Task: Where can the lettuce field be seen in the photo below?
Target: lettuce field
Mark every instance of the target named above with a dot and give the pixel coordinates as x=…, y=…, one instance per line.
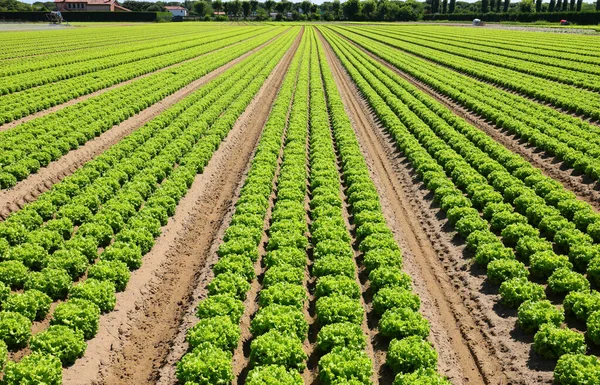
x=280, y=203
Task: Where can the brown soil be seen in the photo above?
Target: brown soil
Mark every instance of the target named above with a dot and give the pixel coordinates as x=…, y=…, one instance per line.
x=449, y=293
x=136, y=337
x=39, y=114
x=28, y=189
x=585, y=188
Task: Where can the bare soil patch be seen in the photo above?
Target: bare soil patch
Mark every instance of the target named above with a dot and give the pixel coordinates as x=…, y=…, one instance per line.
x=470, y=336
x=135, y=339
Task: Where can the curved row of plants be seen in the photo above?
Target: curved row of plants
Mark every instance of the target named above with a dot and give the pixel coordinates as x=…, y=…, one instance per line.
x=557, y=54
x=16, y=105
x=501, y=216
x=410, y=356
x=87, y=57
x=217, y=333
x=555, y=133
x=32, y=145
x=114, y=68
x=574, y=99
x=564, y=71
x=119, y=221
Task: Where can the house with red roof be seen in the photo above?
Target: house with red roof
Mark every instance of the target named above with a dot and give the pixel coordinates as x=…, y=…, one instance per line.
x=89, y=6
x=176, y=10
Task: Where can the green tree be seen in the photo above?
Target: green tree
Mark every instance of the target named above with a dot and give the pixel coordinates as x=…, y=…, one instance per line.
x=217, y=5
x=506, y=5
x=579, y=4
x=201, y=8
x=305, y=5
x=452, y=6
x=526, y=6
x=538, y=5
x=351, y=9
x=269, y=4
x=336, y=8
x=445, y=6
x=236, y=8
x=485, y=6
x=246, y=9
x=369, y=9
x=572, y=6
x=492, y=5
x=253, y=5
x=552, y=5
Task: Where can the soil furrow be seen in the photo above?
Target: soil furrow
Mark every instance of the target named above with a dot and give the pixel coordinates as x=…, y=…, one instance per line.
x=30, y=188
x=39, y=114
x=134, y=339
x=465, y=354
x=585, y=188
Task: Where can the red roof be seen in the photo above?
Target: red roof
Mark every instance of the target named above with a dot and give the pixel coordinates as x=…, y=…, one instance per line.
x=174, y=8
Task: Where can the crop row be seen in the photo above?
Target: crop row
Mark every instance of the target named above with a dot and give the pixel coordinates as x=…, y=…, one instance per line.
x=564, y=71
x=555, y=133
x=120, y=224
x=577, y=100
x=556, y=57
x=36, y=143
x=394, y=305
x=154, y=56
x=29, y=101
x=20, y=65
x=515, y=210
x=217, y=333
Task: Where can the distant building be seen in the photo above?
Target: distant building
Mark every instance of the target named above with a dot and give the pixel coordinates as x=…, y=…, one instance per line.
x=176, y=10
x=89, y=6
x=219, y=14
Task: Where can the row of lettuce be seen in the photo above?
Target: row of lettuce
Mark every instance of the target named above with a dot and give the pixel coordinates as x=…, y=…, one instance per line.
x=523, y=227
x=279, y=329
x=105, y=217
x=557, y=134
x=577, y=100
x=27, y=147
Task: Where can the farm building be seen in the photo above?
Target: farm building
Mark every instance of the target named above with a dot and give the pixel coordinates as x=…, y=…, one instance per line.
x=177, y=10
x=89, y=6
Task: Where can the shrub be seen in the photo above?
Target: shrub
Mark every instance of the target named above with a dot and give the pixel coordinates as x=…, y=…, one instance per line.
x=13, y=273
x=286, y=319
x=36, y=368
x=501, y=270
x=518, y=290
x=276, y=348
x=33, y=304
x=339, y=308
x=230, y=284
x=220, y=331
x=421, y=377
x=533, y=314
x=53, y=282
x=410, y=354
x=492, y=251
x=337, y=284
x=273, y=375
x=112, y=271
x=129, y=253
x=403, y=322
x=551, y=342
x=15, y=329
x=389, y=277
x=341, y=334
x=344, y=365
x=283, y=273
x=72, y=261
x=577, y=369
x=236, y=264
x=221, y=305
x=60, y=341
x=564, y=280
x=78, y=314
x=283, y=294
x=376, y=258
x=544, y=263
x=205, y=365
x=395, y=297
x=102, y=293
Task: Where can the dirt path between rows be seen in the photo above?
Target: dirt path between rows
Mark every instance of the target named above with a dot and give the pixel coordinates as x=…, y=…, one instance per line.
x=135, y=338
x=465, y=355
x=585, y=188
x=82, y=98
x=476, y=338
x=30, y=188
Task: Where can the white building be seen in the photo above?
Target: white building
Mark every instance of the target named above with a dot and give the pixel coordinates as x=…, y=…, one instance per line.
x=176, y=11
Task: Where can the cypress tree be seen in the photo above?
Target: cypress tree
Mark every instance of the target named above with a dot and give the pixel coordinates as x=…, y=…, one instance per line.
x=552, y=5
x=507, y=4
x=452, y=6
